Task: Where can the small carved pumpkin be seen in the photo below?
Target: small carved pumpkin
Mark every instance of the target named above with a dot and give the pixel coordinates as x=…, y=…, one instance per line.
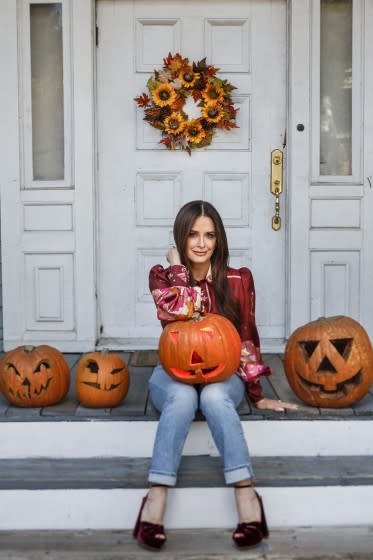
x=205, y=350
x=102, y=379
x=34, y=376
x=329, y=362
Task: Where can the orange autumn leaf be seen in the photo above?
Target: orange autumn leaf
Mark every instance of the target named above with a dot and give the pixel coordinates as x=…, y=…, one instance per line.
x=175, y=63
x=178, y=105
x=142, y=100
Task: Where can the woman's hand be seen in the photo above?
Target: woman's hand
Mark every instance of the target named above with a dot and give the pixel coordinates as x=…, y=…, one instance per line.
x=173, y=256
x=277, y=406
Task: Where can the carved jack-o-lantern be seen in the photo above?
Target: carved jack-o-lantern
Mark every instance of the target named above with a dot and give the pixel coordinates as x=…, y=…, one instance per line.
x=200, y=351
x=329, y=362
x=102, y=379
x=34, y=376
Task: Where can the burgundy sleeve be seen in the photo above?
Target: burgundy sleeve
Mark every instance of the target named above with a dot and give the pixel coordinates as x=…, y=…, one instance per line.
x=252, y=366
x=175, y=300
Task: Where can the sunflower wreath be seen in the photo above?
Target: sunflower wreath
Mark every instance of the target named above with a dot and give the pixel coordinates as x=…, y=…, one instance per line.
x=169, y=89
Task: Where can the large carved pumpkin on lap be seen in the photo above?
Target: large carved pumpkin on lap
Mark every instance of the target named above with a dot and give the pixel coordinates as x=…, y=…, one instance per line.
x=102, y=379
x=203, y=350
x=329, y=362
x=34, y=376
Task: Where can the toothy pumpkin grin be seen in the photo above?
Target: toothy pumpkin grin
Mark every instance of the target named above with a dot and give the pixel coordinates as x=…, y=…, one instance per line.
x=26, y=384
x=337, y=390
x=198, y=371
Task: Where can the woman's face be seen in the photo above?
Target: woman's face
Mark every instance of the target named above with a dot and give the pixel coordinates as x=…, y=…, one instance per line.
x=201, y=241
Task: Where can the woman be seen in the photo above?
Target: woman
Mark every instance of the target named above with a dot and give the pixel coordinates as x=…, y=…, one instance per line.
x=199, y=280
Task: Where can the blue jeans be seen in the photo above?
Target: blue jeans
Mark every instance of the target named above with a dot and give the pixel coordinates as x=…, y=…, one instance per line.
x=178, y=404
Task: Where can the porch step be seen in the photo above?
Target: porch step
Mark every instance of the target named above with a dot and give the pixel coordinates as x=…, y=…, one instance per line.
x=106, y=493
x=326, y=543
x=199, y=471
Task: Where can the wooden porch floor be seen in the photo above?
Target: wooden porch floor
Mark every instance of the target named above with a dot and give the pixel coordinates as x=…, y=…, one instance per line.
x=137, y=406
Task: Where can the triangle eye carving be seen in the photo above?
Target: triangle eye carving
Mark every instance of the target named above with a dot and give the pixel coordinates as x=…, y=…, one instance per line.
x=343, y=346
x=308, y=347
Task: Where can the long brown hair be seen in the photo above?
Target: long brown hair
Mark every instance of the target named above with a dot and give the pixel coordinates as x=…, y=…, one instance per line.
x=183, y=225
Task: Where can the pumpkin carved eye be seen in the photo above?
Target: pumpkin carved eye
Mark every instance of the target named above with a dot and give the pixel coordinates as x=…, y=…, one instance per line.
x=308, y=347
x=43, y=363
x=208, y=331
x=343, y=346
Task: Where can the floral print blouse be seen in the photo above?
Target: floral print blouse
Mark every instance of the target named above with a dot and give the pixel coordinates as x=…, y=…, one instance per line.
x=177, y=300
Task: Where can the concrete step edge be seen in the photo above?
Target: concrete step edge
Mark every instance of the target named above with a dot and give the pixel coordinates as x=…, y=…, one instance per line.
x=135, y=439
x=116, y=509
x=195, y=471
x=191, y=544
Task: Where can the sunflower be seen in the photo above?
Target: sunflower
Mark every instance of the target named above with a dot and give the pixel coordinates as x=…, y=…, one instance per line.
x=194, y=131
x=213, y=112
x=174, y=124
x=188, y=77
x=164, y=95
x=213, y=93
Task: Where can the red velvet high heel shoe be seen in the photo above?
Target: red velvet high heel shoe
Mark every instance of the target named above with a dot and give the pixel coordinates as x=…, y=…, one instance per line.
x=248, y=534
x=149, y=535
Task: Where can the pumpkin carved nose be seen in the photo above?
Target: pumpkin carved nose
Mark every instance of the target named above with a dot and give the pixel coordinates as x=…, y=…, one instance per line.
x=196, y=358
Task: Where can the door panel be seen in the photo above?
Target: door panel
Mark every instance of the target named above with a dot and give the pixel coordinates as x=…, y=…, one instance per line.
x=142, y=185
x=330, y=225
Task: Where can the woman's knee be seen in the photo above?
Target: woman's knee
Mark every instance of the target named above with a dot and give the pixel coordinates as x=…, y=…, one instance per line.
x=215, y=396
x=181, y=402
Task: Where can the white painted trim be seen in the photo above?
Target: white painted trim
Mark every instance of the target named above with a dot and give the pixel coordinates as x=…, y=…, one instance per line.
x=83, y=41
x=26, y=98
x=299, y=146
x=265, y=438
x=10, y=145
x=66, y=341
x=357, y=98
x=187, y=508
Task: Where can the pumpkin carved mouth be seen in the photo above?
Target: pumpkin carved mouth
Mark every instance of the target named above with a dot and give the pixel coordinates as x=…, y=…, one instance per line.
x=198, y=371
x=100, y=388
x=338, y=390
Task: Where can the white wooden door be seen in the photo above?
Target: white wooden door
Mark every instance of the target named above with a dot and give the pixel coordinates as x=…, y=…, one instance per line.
x=141, y=185
x=330, y=221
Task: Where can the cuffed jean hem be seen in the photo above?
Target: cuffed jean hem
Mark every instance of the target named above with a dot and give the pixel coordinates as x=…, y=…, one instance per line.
x=236, y=475
x=158, y=478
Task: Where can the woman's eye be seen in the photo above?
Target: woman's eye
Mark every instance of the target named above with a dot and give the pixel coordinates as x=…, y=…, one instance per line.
x=192, y=234
x=211, y=235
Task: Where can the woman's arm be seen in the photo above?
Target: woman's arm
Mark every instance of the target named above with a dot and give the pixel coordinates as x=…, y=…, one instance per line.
x=252, y=366
x=173, y=296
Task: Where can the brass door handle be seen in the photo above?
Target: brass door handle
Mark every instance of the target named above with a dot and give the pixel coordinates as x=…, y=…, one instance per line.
x=276, y=185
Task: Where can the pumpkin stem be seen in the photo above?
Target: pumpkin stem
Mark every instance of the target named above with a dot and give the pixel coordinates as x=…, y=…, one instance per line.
x=28, y=348
x=196, y=317
x=105, y=351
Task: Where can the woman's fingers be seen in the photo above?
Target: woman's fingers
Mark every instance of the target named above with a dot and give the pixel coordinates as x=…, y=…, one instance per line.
x=277, y=406
x=173, y=256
